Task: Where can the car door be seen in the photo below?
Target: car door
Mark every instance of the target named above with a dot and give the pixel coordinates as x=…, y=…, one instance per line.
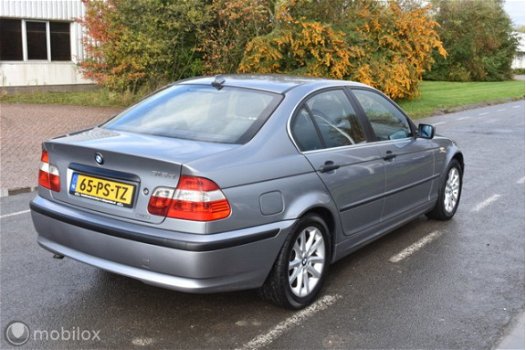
x=328, y=131
x=409, y=161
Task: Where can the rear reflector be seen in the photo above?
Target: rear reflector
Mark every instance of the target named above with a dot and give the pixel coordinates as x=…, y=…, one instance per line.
x=195, y=198
x=48, y=175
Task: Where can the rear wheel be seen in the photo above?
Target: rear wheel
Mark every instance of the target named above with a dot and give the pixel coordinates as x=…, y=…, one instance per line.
x=300, y=269
x=449, y=194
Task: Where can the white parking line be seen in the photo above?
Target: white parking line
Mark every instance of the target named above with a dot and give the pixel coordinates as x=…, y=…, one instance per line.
x=464, y=118
x=516, y=107
x=492, y=120
x=278, y=330
x=501, y=110
x=142, y=341
x=13, y=214
x=486, y=202
x=415, y=247
x=484, y=113
x=438, y=123
x=520, y=181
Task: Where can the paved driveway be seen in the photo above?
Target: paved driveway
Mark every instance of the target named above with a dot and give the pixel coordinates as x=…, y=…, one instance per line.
x=24, y=127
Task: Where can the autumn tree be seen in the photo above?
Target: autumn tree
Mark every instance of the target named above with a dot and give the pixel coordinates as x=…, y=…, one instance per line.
x=233, y=24
x=478, y=36
x=388, y=45
x=142, y=42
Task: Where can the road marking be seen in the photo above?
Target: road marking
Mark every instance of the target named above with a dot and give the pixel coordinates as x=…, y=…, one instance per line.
x=492, y=120
x=415, y=247
x=13, y=214
x=501, y=110
x=515, y=106
x=274, y=333
x=438, y=123
x=486, y=202
x=484, y=113
x=520, y=181
x=464, y=118
x=142, y=341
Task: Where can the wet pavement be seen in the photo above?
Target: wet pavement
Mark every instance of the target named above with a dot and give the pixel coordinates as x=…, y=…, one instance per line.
x=464, y=289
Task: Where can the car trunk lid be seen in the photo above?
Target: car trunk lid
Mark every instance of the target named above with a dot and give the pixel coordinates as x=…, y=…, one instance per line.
x=130, y=166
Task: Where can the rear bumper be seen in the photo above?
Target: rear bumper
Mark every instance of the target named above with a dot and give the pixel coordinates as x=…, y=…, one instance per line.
x=226, y=261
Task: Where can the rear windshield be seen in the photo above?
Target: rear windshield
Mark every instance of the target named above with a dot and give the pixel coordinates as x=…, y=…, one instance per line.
x=199, y=112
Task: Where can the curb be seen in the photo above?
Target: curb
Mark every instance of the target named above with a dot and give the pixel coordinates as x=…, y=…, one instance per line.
x=6, y=192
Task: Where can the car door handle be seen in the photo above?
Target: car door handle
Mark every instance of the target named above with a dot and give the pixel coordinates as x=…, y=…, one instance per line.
x=389, y=155
x=328, y=166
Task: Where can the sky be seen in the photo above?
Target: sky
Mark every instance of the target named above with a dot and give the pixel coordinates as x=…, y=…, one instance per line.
x=515, y=9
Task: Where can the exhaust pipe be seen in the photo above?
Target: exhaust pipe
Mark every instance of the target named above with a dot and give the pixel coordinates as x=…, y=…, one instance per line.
x=58, y=256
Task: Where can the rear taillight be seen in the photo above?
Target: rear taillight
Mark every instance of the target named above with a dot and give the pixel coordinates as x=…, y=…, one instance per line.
x=195, y=198
x=160, y=201
x=48, y=176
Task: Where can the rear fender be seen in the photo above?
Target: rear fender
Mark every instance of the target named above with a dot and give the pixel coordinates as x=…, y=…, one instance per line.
x=320, y=202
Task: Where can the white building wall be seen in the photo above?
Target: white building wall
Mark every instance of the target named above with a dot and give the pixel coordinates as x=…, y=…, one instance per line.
x=518, y=61
x=37, y=74
x=30, y=73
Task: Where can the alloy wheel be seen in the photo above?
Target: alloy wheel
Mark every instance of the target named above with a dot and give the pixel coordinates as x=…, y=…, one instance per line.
x=306, y=262
x=452, y=190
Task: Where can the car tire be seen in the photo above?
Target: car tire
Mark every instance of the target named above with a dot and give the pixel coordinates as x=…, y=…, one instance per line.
x=449, y=193
x=305, y=263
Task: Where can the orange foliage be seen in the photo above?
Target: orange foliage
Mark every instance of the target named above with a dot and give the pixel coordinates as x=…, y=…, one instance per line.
x=236, y=22
x=315, y=48
x=382, y=45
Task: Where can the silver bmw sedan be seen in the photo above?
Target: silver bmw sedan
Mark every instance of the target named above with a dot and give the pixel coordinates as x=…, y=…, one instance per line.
x=239, y=182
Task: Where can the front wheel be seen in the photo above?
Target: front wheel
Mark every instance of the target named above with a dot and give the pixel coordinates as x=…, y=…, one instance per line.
x=449, y=194
x=301, y=266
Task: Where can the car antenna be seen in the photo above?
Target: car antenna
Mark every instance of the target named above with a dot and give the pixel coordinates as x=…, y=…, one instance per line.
x=218, y=82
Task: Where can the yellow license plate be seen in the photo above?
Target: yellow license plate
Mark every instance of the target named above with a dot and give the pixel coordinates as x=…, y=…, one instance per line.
x=103, y=190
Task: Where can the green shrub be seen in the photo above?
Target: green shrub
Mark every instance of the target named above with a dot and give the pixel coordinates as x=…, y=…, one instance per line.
x=142, y=43
x=479, y=39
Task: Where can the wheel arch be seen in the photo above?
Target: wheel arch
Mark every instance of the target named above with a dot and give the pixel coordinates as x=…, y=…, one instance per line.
x=330, y=220
x=460, y=158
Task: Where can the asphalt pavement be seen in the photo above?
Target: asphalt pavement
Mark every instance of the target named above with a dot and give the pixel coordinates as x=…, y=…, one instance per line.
x=430, y=284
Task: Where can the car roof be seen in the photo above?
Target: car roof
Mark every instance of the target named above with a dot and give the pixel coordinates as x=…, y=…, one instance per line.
x=276, y=83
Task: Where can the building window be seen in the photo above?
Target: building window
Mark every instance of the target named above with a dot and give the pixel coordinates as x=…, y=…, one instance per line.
x=60, y=44
x=36, y=40
x=10, y=40
x=43, y=40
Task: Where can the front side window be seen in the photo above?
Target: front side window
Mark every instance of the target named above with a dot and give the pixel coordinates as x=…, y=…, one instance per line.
x=336, y=119
x=199, y=112
x=387, y=121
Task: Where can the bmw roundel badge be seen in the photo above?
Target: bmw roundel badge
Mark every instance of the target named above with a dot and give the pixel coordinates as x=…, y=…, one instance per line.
x=99, y=159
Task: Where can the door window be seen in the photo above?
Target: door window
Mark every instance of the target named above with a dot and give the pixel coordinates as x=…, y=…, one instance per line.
x=387, y=121
x=336, y=119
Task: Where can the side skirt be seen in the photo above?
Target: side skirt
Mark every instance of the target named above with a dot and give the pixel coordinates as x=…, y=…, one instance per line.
x=375, y=232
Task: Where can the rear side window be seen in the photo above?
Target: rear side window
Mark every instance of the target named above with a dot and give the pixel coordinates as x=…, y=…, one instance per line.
x=336, y=119
x=199, y=112
x=387, y=121
x=304, y=132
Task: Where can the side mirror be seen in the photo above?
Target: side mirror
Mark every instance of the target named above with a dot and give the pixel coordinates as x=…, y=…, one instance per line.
x=426, y=131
